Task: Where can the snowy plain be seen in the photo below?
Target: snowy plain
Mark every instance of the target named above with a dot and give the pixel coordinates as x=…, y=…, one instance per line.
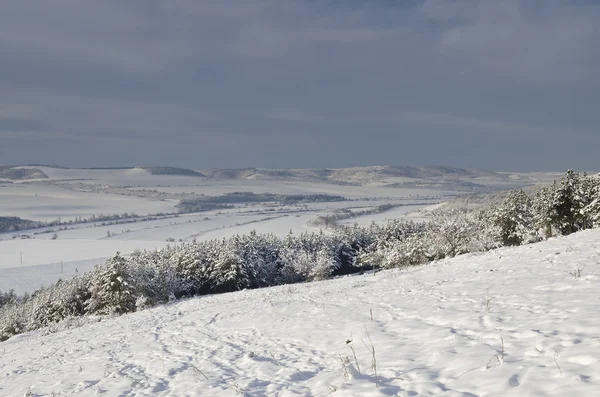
x=510, y=322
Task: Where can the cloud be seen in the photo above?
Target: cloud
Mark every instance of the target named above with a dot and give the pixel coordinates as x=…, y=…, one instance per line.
x=231, y=76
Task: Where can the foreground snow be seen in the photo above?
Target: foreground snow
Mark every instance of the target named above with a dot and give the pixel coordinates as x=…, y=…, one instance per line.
x=509, y=322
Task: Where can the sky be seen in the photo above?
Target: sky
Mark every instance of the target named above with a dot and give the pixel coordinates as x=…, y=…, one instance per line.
x=496, y=84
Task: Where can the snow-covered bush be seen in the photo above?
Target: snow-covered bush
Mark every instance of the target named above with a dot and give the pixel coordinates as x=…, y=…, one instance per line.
x=299, y=265
x=66, y=298
x=382, y=246
x=410, y=251
x=488, y=235
x=311, y=256
x=250, y=261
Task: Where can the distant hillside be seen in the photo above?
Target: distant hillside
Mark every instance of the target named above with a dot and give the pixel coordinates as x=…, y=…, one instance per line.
x=357, y=175
x=14, y=223
x=172, y=171
x=271, y=174
x=21, y=174
x=434, y=177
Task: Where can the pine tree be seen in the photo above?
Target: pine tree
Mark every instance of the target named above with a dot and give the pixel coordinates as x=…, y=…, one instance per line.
x=592, y=210
x=7, y=297
x=514, y=218
x=488, y=235
x=568, y=204
x=112, y=288
x=542, y=210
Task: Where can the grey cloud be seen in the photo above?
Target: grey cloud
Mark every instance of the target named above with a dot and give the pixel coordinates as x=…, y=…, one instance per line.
x=292, y=83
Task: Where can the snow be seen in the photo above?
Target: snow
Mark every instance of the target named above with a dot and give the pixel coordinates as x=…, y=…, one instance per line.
x=511, y=322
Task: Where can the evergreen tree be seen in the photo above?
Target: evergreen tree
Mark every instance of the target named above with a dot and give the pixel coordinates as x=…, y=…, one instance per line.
x=7, y=297
x=568, y=204
x=592, y=210
x=488, y=234
x=542, y=210
x=112, y=289
x=514, y=219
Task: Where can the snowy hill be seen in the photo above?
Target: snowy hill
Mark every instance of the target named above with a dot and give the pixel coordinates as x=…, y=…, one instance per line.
x=21, y=174
x=396, y=176
x=435, y=176
x=515, y=321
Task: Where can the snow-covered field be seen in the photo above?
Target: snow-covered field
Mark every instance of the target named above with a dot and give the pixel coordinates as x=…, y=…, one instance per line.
x=42, y=202
x=511, y=322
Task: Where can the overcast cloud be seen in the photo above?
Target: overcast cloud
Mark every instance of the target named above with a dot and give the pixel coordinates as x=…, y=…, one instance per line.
x=505, y=85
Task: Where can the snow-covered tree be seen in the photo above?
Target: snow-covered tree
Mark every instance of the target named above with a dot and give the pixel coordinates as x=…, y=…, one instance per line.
x=451, y=231
x=7, y=297
x=13, y=319
x=260, y=254
x=592, y=210
x=155, y=276
x=112, y=288
x=410, y=251
x=542, y=210
x=568, y=203
x=589, y=192
x=514, y=218
x=488, y=235
x=310, y=256
x=195, y=264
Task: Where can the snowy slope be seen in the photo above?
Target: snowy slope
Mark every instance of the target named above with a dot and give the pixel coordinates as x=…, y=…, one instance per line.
x=511, y=322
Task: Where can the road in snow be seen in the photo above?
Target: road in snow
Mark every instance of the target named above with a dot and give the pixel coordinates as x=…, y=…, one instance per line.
x=512, y=322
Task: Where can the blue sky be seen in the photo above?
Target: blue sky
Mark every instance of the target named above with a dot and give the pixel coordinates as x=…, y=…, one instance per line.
x=504, y=85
